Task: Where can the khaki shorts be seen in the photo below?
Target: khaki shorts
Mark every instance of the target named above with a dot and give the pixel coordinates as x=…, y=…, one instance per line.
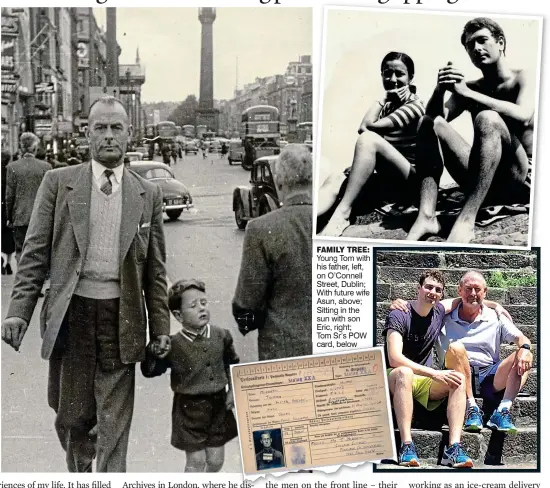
x=421, y=391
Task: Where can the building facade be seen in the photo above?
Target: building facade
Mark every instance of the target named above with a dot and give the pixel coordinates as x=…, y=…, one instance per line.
x=131, y=79
x=290, y=92
x=17, y=76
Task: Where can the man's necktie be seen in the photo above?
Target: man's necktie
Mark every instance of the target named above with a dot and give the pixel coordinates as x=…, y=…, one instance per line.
x=107, y=187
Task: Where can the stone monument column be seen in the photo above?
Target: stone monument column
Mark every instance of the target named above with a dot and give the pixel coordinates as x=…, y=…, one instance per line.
x=206, y=113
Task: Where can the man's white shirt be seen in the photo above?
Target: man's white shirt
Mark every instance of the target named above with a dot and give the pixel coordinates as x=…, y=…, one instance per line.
x=116, y=179
x=481, y=338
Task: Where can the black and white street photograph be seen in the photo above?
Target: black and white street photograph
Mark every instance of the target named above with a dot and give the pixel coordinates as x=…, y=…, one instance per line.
x=428, y=126
x=156, y=228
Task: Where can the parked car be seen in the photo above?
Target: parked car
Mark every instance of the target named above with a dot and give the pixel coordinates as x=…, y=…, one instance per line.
x=191, y=147
x=176, y=196
x=143, y=150
x=260, y=197
x=134, y=156
x=236, y=151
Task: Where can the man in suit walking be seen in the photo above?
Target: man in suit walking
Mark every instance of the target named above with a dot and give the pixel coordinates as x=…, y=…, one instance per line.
x=273, y=292
x=23, y=178
x=98, y=229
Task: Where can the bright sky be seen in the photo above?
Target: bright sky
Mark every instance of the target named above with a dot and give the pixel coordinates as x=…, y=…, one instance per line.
x=356, y=42
x=169, y=40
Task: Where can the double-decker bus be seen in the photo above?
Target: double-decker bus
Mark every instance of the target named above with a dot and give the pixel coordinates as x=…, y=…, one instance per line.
x=260, y=132
x=189, y=131
x=166, y=133
x=166, y=130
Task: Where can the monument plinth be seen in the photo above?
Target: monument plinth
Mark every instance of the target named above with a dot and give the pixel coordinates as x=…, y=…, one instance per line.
x=206, y=113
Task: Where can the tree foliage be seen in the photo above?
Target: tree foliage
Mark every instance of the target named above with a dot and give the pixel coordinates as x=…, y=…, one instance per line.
x=185, y=112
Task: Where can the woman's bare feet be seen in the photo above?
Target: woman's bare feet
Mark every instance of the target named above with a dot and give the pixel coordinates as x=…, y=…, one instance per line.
x=336, y=226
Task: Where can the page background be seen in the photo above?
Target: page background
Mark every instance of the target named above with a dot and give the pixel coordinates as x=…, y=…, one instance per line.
x=540, y=238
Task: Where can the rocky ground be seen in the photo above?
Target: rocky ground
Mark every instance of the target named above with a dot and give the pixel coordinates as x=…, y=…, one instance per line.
x=512, y=230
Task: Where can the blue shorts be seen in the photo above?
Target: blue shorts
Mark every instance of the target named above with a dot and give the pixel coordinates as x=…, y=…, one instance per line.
x=486, y=378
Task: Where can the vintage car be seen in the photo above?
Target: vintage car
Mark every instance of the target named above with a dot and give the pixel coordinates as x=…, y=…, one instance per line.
x=143, y=150
x=191, y=147
x=176, y=196
x=236, y=151
x=260, y=197
x=134, y=156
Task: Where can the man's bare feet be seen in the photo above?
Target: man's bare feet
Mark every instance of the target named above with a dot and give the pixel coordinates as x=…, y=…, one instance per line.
x=423, y=226
x=462, y=232
x=336, y=226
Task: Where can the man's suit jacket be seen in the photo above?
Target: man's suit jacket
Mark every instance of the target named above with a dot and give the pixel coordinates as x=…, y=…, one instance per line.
x=23, y=179
x=275, y=279
x=57, y=241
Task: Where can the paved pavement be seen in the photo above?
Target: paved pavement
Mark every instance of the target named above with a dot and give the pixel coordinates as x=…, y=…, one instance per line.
x=203, y=243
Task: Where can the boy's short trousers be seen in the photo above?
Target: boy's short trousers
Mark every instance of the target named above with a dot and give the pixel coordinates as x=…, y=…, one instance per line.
x=421, y=391
x=201, y=421
x=486, y=379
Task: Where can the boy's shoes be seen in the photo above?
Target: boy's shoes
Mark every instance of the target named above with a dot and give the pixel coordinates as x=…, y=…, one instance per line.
x=474, y=420
x=502, y=422
x=456, y=457
x=408, y=456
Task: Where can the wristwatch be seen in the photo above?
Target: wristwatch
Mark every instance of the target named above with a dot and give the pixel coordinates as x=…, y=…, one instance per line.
x=525, y=346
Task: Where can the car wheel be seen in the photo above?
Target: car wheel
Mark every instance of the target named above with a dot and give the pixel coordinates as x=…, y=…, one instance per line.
x=174, y=214
x=239, y=216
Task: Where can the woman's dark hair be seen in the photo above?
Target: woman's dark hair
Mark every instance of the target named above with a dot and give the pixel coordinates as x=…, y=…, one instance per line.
x=397, y=56
x=405, y=59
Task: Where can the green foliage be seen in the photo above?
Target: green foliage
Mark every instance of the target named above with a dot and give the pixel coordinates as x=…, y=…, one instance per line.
x=500, y=279
x=185, y=112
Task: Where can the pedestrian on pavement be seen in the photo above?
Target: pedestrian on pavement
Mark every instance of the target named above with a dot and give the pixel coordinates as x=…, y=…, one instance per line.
x=174, y=153
x=73, y=160
x=23, y=178
x=223, y=150
x=98, y=228
x=166, y=154
x=273, y=291
x=201, y=354
x=8, y=244
x=41, y=154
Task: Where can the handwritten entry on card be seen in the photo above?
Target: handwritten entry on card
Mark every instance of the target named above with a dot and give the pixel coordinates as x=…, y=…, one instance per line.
x=313, y=411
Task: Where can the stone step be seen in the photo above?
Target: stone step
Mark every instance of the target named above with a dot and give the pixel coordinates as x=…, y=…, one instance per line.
x=450, y=259
x=524, y=410
x=486, y=447
x=530, y=331
x=409, y=291
x=506, y=350
x=521, y=314
x=400, y=274
x=519, y=295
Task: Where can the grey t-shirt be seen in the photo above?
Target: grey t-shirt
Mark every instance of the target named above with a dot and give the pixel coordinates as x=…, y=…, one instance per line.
x=481, y=338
